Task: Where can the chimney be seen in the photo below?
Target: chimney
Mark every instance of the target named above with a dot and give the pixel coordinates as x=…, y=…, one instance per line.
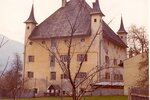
x=64, y=3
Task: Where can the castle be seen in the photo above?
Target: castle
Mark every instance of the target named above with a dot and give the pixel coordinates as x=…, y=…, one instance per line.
x=74, y=20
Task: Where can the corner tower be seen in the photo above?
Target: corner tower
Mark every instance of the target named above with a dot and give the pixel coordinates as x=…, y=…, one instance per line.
x=30, y=24
x=96, y=17
x=122, y=32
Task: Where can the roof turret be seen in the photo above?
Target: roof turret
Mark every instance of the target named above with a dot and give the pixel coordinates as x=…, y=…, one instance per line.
x=122, y=29
x=96, y=8
x=31, y=18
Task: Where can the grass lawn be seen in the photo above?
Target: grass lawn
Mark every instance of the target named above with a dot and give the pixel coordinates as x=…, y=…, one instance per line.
x=84, y=98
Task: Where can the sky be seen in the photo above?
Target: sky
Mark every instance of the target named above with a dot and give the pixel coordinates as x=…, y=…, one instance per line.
x=15, y=12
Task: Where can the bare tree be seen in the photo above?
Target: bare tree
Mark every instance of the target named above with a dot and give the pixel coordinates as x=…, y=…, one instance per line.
x=3, y=41
x=137, y=39
x=12, y=79
x=144, y=71
x=138, y=43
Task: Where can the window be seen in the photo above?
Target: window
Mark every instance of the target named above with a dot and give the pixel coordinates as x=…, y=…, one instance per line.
x=64, y=76
x=121, y=37
x=121, y=77
x=64, y=92
x=115, y=61
x=64, y=58
x=106, y=59
x=53, y=43
x=31, y=58
x=82, y=75
x=82, y=39
x=30, y=74
x=43, y=42
x=66, y=40
x=53, y=75
x=52, y=60
x=95, y=20
x=117, y=77
x=82, y=57
x=35, y=90
x=30, y=43
x=28, y=27
x=107, y=75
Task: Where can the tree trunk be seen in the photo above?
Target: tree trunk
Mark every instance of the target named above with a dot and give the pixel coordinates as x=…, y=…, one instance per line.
x=74, y=95
x=14, y=96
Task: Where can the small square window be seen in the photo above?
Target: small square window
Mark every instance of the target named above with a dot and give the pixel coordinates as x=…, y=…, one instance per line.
x=64, y=58
x=53, y=75
x=107, y=75
x=82, y=75
x=107, y=60
x=95, y=20
x=117, y=77
x=35, y=90
x=30, y=74
x=30, y=43
x=52, y=60
x=121, y=37
x=115, y=61
x=82, y=57
x=65, y=40
x=64, y=92
x=64, y=76
x=28, y=27
x=31, y=58
x=121, y=77
x=82, y=39
x=43, y=42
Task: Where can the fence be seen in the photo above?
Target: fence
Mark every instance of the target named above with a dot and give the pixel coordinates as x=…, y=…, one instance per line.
x=138, y=94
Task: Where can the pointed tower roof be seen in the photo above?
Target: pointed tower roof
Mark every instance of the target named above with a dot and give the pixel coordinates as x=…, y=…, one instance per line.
x=122, y=29
x=96, y=8
x=31, y=18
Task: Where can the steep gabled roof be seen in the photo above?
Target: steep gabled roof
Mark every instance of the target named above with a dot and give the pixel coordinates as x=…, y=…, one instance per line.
x=31, y=18
x=76, y=13
x=109, y=34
